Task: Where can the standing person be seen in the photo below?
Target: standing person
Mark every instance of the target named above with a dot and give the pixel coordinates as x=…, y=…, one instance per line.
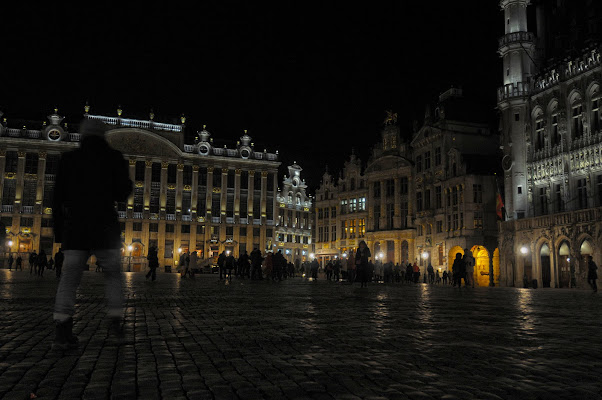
x=336, y=270
x=59, y=257
x=19, y=263
x=444, y=277
x=431, y=273
x=362, y=257
x=269, y=265
x=153, y=263
x=50, y=264
x=351, y=268
x=91, y=177
x=315, y=266
x=458, y=270
x=10, y=262
x=592, y=273
x=194, y=257
x=416, y=272
x=42, y=262
x=185, y=259
x=229, y=264
x=278, y=265
x=256, y=260
x=243, y=264
x=469, y=265
x=33, y=257
x=221, y=263
x=329, y=270
x=409, y=277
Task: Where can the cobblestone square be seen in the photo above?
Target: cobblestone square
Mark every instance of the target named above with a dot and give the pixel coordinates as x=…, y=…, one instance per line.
x=204, y=339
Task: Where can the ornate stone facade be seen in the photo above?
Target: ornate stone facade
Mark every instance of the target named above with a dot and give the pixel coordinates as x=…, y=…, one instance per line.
x=194, y=197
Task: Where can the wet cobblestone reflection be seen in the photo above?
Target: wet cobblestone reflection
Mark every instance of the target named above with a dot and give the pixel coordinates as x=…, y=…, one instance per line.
x=197, y=339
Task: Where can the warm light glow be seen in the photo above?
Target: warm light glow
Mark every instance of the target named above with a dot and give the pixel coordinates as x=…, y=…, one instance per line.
x=10, y=242
x=524, y=250
x=425, y=255
x=130, y=247
x=381, y=255
x=311, y=255
x=179, y=249
x=344, y=255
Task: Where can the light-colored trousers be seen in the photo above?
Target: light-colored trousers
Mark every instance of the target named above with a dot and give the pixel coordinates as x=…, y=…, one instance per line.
x=73, y=268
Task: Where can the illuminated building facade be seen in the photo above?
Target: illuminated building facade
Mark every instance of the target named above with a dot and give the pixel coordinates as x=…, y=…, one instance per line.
x=422, y=201
x=551, y=137
x=294, y=224
x=455, y=158
x=196, y=197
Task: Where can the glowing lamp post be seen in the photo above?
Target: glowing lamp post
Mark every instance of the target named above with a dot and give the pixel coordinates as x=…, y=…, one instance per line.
x=425, y=256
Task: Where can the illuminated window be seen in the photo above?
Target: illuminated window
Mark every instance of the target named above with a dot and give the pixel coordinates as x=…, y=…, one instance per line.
x=351, y=229
x=477, y=192
x=352, y=205
x=344, y=229
x=343, y=207
x=361, y=204
x=361, y=227
x=478, y=220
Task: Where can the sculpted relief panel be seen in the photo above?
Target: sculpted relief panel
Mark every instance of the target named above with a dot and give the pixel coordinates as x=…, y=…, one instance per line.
x=136, y=142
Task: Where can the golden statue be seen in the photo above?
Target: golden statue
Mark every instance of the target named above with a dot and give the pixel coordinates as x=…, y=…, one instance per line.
x=391, y=118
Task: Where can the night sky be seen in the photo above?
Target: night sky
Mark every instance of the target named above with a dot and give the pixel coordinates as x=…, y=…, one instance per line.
x=309, y=79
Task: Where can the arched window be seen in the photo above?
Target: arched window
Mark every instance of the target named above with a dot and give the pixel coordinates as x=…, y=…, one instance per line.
x=576, y=116
x=539, y=124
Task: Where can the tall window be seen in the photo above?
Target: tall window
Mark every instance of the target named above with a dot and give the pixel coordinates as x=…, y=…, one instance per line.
x=361, y=204
x=376, y=189
x=419, y=201
x=390, y=187
x=437, y=156
x=139, y=171
x=543, y=201
x=595, y=116
x=12, y=161
x=477, y=193
x=427, y=160
x=559, y=202
x=31, y=163
x=438, y=197
x=390, y=215
x=343, y=229
x=187, y=175
x=403, y=185
x=352, y=231
x=577, y=121
x=361, y=227
x=172, y=170
x=555, y=135
x=539, y=133
x=156, y=172
x=581, y=193
x=404, y=214
x=418, y=163
x=427, y=199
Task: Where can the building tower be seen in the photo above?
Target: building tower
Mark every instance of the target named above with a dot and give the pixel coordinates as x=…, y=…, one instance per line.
x=517, y=48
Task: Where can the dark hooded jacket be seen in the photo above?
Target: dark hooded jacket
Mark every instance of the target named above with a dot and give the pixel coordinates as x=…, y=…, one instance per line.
x=89, y=181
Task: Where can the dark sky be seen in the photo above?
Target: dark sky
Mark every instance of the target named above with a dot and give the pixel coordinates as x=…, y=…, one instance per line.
x=310, y=79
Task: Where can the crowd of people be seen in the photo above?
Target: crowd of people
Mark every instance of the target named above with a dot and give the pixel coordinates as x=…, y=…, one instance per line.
x=38, y=263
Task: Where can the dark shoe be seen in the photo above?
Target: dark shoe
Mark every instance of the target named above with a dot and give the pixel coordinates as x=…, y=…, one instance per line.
x=63, y=338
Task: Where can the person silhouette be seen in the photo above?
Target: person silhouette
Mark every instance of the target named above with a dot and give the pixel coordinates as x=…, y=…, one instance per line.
x=92, y=177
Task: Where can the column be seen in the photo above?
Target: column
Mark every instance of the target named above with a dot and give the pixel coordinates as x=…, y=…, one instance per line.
x=2, y=169
x=194, y=192
x=132, y=171
x=147, y=187
x=40, y=184
x=237, y=173
x=20, y=181
x=163, y=193
x=179, y=189
x=264, y=195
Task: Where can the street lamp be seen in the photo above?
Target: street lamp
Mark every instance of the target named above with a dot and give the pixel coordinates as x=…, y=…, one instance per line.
x=425, y=256
x=130, y=248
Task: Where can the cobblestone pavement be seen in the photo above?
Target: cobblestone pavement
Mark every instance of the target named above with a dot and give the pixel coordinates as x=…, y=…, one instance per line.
x=204, y=339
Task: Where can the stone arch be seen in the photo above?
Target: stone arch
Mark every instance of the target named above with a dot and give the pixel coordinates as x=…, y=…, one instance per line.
x=593, y=90
x=451, y=256
x=481, y=268
x=544, y=262
x=575, y=96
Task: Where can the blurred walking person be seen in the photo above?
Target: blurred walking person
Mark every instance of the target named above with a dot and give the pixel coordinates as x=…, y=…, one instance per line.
x=42, y=262
x=592, y=273
x=92, y=177
x=153, y=263
x=362, y=257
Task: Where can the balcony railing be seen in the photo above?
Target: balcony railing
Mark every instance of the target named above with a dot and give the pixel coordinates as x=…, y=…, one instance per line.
x=137, y=215
x=186, y=218
x=7, y=208
x=513, y=90
x=170, y=217
x=27, y=209
x=515, y=37
x=122, y=214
